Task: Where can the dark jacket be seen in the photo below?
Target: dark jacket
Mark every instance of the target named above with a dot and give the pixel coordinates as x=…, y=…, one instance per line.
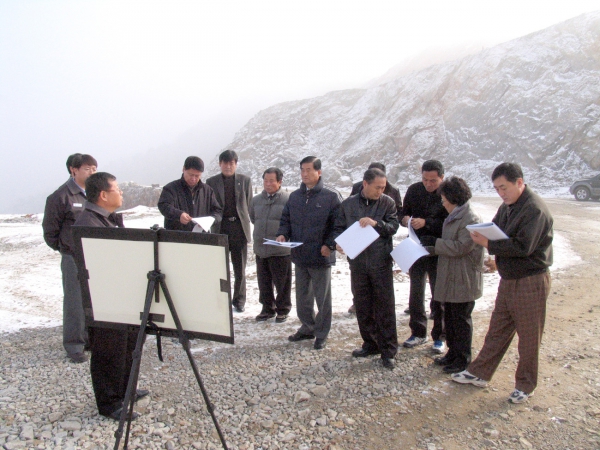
x=309, y=217
x=96, y=216
x=460, y=262
x=243, y=197
x=383, y=211
x=177, y=198
x=421, y=204
x=265, y=214
x=62, y=209
x=528, y=249
x=389, y=190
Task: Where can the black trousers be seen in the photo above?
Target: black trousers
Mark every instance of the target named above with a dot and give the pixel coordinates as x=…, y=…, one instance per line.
x=373, y=289
x=459, y=331
x=416, y=301
x=275, y=272
x=238, y=249
x=110, y=365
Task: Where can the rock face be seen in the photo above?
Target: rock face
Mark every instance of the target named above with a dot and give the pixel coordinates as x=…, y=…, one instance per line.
x=135, y=194
x=534, y=100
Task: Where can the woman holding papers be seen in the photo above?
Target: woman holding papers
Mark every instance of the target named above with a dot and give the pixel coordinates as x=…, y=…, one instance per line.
x=459, y=273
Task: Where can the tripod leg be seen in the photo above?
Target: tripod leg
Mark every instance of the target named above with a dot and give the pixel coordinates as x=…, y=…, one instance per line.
x=186, y=346
x=128, y=402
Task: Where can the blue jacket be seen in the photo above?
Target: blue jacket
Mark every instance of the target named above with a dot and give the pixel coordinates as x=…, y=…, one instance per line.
x=309, y=217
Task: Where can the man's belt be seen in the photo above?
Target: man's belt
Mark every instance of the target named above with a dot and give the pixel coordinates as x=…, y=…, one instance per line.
x=231, y=219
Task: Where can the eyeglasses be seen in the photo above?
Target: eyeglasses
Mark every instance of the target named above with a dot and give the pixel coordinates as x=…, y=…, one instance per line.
x=119, y=190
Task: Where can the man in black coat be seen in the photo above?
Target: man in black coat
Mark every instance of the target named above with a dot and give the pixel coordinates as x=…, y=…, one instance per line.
x=423, y=204
x=62, y=209
x=371, y=272
x=187, y=198
x=233, y=192
x=112, y=350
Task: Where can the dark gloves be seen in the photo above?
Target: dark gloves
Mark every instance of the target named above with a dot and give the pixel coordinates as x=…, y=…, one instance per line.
x=428, y=241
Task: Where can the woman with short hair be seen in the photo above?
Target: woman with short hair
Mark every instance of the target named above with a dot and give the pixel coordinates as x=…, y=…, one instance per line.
x=459, y=273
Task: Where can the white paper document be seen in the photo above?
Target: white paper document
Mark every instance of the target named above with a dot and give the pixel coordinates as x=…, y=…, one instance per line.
x=282, y=244
x=356, y=238
x=490, y=230
x=409, y=250
x=202, y=223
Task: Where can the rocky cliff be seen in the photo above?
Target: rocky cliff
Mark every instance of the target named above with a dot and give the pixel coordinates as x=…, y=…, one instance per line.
x=534, y=100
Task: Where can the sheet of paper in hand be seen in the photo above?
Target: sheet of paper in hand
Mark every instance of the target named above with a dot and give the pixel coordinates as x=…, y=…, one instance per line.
x=356, y=238
x=490, y=230
x=202, y=223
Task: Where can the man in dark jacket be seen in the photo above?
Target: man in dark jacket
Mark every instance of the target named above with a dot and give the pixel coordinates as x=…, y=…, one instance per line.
x=523, y=261
x=371, y=271
x=234, y=193
x=273, y=264
x=308, y=217
x=112, y=349
x=187, y=198
x=390, y=191
x=424, y=205
x=62, y=209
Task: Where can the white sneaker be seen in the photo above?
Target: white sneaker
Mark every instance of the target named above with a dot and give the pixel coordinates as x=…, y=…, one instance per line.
x=413, y=341
x=518, y=396
x=438, y=347
x=465, y=377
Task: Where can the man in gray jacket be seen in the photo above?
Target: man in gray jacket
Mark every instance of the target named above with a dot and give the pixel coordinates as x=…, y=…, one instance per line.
x=273, y=264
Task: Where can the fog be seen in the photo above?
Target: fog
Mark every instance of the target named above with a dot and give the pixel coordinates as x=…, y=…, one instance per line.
x=130, y=81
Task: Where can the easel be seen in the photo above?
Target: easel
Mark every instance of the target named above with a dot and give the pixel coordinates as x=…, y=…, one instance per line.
x=156, y=282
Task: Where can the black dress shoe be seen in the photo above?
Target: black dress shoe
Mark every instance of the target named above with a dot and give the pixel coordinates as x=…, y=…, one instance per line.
x=300, y=337
x=363, y=352
x=78, y=357
x=116, y=415
x=239, y=309
x=320, y=343
x=264, y=316
x=388, y=363
x=281, y=318
x=454, y=368
x=141, y=393
x=443, y=361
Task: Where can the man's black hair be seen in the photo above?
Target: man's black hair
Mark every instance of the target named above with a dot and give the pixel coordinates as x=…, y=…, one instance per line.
x=371, y=174
x=456, y=190
x=227, y=156
x=277, y=171
x=193, y=162
x=510, y=171
x=84, y=159
x=377, y=165
x=96, y=183
x=316, y=162
x=431, y=165
x=70, y=161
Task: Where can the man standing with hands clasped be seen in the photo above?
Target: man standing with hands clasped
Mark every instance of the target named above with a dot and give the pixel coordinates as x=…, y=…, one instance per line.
x=371, y=271
x=234, y=193
x=308, y=217
x=523, y=261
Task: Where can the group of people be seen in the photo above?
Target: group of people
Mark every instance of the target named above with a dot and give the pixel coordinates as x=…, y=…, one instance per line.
x=314, y=215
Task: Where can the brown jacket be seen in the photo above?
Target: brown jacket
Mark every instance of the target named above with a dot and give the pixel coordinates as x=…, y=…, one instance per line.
x=460, y=263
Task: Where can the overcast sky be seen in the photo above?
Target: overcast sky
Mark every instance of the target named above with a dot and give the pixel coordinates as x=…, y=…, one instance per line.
x=116, y=78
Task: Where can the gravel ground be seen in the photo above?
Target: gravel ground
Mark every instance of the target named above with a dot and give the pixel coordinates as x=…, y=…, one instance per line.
x=280, y=395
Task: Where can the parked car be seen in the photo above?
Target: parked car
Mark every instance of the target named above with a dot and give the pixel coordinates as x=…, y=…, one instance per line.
x=585, y=189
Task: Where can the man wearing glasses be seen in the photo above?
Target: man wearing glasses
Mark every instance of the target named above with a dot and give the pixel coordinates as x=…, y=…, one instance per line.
x=112, y=349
